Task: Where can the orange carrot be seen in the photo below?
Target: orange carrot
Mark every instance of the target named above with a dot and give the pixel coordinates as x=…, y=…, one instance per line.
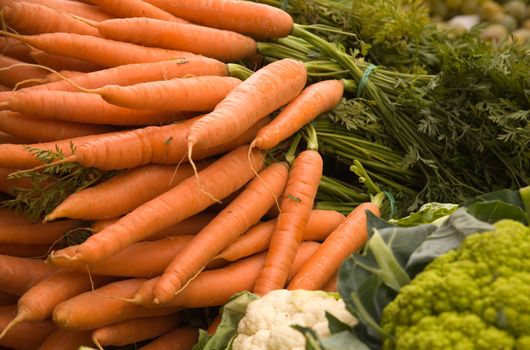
x=28, y=18
x=215, y=287
x=320, y=224
x=182, y=338
x=150, y=258
x=11, y=76
x=103, y=52
x=76, y=8
x=38, y=302
x=225, y=228
x=134, y=330
x=331, y=284
x=38, y=233
x=25, y=250
x=16, y=49
x=69, y=340
x=135, y=8
x=295, y=210
x=43, y=130
x=198, y=94
x=134, y=188
x=103, y=306
x=265, y=91
x=11, y=217
x=7, y=138
x=27, y=335
x=17, y=275
x=84, y=108
x=60, y=63
x=224, y=45
x=314, y=100
x=349, y=237
x=256, y=20
x=233, y=170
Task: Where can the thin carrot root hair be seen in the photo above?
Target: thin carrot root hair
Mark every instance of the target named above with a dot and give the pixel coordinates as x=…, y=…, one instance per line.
x=98, y=345
x=196, y=174
x=19, y=318
x=156, y=301
x=249, y=156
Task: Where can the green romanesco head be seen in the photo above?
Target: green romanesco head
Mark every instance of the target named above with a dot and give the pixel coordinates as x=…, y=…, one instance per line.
x=475, y=297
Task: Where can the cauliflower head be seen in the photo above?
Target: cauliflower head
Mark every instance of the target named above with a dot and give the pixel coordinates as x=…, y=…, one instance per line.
x=268, y=320
x=474, y=297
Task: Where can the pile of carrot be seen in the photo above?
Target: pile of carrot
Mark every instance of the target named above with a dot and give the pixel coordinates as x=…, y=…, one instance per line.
x=198, y=210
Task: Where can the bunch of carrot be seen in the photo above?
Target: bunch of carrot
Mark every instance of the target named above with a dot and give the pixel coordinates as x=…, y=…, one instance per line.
x=198, y=210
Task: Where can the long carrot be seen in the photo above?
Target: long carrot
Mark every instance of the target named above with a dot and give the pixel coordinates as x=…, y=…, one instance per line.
x=61, y=63
x=16, y=49
x=27, y=335
x=84, y=108
x=265, y=91
x=233, y=171
x=134, y=330
x=150, y=258
x=13, y=72
x=215, y=287
x=320, y=224
x=250, y=18
x=224, y=45
x=198, y=94
x=135, y=8
x=28, y=18
x=182, y=338
x=17, y=275
x=295, y=210
x=225, y=228
x=103, y=306
x=35, y=233
x=25, y=250
x=76, y=8
x=134, y=187
x=43, y=130
x=38, y=302
x=69, y=340
x=317, y=98
x=349, y=237
x=103, y=52
x=11, y=217
x=7, y=138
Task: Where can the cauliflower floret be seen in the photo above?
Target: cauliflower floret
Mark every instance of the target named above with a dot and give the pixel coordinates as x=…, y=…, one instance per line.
x=267, y=321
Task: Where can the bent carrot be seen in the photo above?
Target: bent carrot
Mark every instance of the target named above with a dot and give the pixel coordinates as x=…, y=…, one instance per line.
x=68, y=339
x=257, y=239
x=103, y=52
x=27, y=335
x=295, y=209
x=37, y=233
x=215, y=287
x=317, y=98
x=197, y=94
x=265, y=91
x=244, y=211
x=233, y=170
x=256, y=20
x=349, y=237
x=13, y=71
x=104, y=306
x=43, y=130
x=134, y=330
x=84, y=108
x=29, y=18
x=135, y=8
x=17, y=275
x=61, y=63
x=224, y=45
x=181, y=338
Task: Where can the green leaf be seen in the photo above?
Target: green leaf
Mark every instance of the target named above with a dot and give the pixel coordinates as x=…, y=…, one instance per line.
x=427, y=213
x=503, y=204
x=312, y=340
x=335, y=325
x=344, y=340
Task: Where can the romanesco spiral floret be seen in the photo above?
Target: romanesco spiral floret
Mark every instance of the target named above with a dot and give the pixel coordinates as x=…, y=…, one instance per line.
x=475, y=297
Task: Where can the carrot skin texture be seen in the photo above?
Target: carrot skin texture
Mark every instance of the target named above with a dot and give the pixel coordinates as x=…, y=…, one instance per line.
x=295, y=209
x=25, y=250
x=257, y=239
x=37, y=233
x=256, y=20
x=214, y=287
x=27, y=18
x=224, y=45
x=317, y=98
x=197, y=94
x=60, y=63
x=10, y=77
x=135, y=8
x=181, y=338
x=243, y=212
x=265, y=91
x=135, y=330
x=74, y=7
x=19, y=274
x=182, y=201
x=15, y=49
x=133, y=187
x=103, y=306
x=69, y=340
x=44, y=130
x=18, y=337
x=349, y=237
x=11, y=217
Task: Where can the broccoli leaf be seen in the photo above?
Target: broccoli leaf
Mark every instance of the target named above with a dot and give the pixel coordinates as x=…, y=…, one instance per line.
x=503, y=204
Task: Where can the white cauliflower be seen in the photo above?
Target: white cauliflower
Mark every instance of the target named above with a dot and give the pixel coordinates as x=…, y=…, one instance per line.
x=267, y=321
